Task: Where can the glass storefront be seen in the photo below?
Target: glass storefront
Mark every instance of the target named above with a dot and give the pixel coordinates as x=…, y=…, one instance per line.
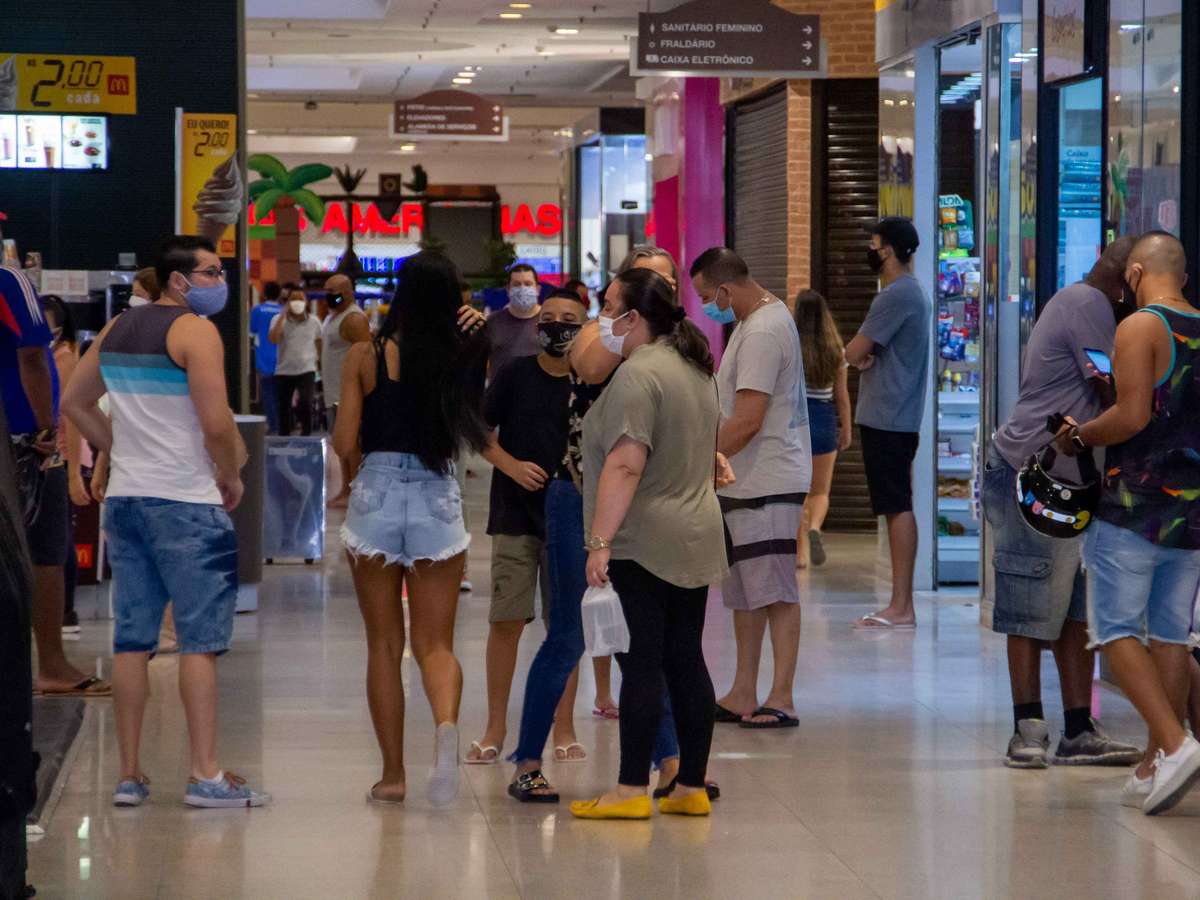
x=612, y=202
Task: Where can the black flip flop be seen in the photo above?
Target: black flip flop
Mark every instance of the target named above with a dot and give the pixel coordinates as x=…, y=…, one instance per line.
x=782, y=719
x=722, y=716
x=710, y=787
x=527, y=782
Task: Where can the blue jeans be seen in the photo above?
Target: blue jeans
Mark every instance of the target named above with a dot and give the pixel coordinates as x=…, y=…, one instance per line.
x=270, y=402
x=560, y=652
x=1138, y=589
x=164, y=550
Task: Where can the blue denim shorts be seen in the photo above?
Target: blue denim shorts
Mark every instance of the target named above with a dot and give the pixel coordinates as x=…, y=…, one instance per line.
x=1039, y=582
x=403, y=512
x=1138, y=589
x=167, y=550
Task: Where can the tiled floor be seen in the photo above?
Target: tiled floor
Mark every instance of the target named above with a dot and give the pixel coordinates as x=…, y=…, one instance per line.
x=891, y=787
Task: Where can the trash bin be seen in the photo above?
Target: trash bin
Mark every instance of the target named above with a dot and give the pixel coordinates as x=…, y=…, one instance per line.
x=294, y=498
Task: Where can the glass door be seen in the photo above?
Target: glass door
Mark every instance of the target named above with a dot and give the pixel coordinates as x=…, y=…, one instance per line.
x=958, y=296
x=1080, y=167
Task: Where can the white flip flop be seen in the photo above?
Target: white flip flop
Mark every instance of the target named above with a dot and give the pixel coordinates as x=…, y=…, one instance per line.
x=483, y=750
x=879, y=622
x=566, y=757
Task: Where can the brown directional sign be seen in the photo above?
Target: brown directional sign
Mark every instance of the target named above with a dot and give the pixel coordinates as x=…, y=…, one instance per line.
x=719, y=37
x=449, y=116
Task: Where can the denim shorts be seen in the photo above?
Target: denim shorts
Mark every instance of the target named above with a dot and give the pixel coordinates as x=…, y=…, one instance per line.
x=1039, y=582
x=1138, y=589
x=822, y=426
x=403, y=512
x=167, y=550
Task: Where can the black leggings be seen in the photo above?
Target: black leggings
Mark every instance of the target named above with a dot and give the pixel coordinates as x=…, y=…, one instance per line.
x=285, y=386
x=665, y=628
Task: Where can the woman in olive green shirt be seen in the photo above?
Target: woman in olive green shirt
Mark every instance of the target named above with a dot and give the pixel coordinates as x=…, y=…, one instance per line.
x=654, y=526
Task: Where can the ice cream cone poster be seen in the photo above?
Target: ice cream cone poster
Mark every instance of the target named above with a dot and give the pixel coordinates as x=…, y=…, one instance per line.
x=211, y=193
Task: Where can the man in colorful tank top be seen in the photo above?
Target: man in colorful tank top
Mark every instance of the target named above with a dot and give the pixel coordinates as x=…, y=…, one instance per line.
x=176, y=458
x=1143, y=554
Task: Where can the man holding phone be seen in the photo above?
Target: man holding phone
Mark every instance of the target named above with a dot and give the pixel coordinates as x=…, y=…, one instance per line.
x=1039, y=586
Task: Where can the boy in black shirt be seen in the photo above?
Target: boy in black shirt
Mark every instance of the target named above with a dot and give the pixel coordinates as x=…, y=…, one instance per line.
x=527, y=404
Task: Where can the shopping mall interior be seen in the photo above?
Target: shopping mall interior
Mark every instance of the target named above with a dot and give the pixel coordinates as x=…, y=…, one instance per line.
x=306, y=140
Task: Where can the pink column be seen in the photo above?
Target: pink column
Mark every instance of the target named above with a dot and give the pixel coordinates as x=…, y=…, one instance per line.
x=702, y=222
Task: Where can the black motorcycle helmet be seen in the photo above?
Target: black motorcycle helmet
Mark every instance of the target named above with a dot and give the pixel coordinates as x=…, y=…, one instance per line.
x=1052, y=506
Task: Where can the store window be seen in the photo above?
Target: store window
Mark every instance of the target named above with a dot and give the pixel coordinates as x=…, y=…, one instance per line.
x=1080, y=135
x=613, y=202
x=1144, y=115
x=897, y=128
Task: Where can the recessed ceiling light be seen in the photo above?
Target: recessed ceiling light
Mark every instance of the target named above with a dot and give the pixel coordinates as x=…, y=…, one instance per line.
x=563, y=29
x=521, y=5
x=466, y=74
x=407, y=148
x=510, y=15
x=461, y=81
x=252, y=96
x=545, y=53
x=251, y=131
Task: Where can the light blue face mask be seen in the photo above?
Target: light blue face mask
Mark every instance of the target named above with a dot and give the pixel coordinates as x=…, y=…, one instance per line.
x=207, y=301
x=714, y=312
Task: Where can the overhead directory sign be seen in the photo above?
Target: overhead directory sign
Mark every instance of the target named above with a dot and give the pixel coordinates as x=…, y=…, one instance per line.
x=449, y=116
x=716, y=37
x=54, y=82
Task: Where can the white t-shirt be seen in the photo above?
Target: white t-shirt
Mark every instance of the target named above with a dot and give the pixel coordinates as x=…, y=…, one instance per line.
x=298, y=349
x=764, y=355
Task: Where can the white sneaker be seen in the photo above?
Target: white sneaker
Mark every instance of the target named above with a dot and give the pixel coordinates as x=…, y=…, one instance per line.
x=1135, y=791
x=1174, y=776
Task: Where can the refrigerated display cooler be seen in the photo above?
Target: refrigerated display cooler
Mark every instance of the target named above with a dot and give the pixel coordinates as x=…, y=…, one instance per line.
x=294, y=501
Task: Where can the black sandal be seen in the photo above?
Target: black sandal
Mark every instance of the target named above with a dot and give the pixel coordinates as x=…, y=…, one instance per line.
x=710, y=787
x=527, y=782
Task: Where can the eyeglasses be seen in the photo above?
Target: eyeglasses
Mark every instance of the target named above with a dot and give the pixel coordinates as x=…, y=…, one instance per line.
x=212, y=272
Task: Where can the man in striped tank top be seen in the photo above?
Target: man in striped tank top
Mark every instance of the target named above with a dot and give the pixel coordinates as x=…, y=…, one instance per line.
x=1142, y=555
x=176, y=458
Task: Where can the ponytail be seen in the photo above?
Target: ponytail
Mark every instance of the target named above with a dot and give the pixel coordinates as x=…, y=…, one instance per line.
x=649, y=294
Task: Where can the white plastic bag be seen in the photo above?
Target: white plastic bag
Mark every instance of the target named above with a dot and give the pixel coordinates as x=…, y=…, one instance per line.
x=604, y=628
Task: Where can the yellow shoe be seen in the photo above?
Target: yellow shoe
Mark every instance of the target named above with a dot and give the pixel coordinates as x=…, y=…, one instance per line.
x=693, y=804
x=633, y=808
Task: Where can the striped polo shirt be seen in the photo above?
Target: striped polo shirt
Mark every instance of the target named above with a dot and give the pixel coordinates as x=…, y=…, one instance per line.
x=158, y=448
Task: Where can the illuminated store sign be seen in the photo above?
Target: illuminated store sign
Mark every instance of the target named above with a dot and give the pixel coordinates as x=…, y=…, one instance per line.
x=366, y=219
x=55, y=82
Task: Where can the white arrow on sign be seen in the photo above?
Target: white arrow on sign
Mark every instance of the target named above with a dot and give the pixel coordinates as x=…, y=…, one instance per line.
x=807, y=60
x=807, y=45
x=808, y=29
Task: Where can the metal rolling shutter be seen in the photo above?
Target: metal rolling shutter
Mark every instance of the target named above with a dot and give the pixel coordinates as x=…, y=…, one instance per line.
x=758, y=170
x=846, y=177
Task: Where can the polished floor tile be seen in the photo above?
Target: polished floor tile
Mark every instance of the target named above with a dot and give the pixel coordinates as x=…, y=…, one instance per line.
x=892, y=787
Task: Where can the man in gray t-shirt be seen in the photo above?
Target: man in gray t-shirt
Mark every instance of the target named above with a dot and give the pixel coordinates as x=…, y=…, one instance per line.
x=892, y=351
x=1039, y=595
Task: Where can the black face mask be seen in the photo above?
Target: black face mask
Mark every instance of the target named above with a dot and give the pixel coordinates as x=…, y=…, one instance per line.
x=556, y=337
x=875, y=260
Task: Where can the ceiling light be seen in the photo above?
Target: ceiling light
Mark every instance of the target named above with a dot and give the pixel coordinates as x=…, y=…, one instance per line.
x=251, y=131
x=408, y=148
x=466, y=74
x=461, y=81
x=563, y=29
x=252, y=96
x=910, y=73
x=510, y=15
x=545, y=53
x=521, y=5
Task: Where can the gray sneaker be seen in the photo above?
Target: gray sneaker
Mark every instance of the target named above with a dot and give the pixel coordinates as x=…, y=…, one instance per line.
x=1095, y=748
x=1029, y=746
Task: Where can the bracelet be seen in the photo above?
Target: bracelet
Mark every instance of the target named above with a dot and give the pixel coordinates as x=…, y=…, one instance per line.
x=597, y=543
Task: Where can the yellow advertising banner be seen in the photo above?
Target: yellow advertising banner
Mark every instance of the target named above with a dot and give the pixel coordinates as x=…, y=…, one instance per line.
x=56, y=82
x=210, y=195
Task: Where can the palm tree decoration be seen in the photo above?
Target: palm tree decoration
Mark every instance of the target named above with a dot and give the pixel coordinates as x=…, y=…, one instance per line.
x=283, y=191
x=349, y=181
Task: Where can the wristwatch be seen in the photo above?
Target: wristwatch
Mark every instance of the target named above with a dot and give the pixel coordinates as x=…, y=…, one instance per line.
x=1076, y=440
x=597, y=543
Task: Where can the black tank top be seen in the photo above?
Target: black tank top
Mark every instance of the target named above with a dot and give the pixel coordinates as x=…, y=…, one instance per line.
x=389, y=413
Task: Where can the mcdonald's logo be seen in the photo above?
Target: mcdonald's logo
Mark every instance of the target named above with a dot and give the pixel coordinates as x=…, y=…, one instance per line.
x=118, y=85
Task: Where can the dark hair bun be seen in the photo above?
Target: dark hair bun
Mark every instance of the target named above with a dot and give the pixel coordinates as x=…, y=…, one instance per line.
x=678, y=314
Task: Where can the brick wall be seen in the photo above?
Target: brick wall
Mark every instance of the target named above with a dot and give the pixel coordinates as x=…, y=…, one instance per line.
x=848, y=35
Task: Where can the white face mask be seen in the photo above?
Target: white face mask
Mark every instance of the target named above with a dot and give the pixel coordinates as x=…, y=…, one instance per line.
x=135, y=300
x=612, y=343
x=297, y=307
x=523, y=298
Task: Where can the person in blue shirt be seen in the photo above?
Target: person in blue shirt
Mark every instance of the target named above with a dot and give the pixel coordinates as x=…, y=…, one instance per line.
x=29, y=384
x=265, y=352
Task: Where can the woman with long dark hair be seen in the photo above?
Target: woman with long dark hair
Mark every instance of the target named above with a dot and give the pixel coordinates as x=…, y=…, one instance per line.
x=410, y=399
x=653, y=525
x=829, y=418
